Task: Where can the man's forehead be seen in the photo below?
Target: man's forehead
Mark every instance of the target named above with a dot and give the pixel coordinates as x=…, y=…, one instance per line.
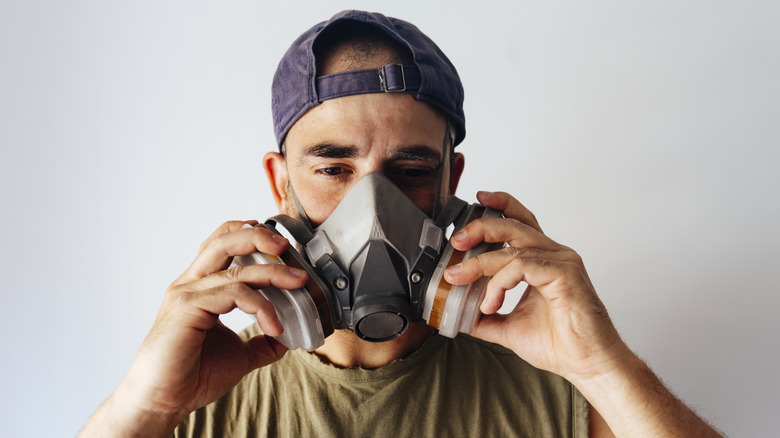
x=386, y=126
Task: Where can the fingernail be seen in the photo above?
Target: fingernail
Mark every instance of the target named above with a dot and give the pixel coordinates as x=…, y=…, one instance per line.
x=483, y=194
x=278, y=239
x=485, y=307
x=297, y=273
x=453, y=270
x=460, y=235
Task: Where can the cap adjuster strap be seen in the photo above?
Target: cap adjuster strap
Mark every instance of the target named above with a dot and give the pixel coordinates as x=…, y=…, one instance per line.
x=388, y=78
x=391, y=78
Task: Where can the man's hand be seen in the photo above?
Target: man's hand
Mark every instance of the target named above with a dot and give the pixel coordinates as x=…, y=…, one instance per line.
x=189, y=358
x=560, y=325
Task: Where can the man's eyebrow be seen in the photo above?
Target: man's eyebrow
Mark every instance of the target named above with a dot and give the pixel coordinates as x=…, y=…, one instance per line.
x=417, y=153
x=327, y=150
x=407, y=153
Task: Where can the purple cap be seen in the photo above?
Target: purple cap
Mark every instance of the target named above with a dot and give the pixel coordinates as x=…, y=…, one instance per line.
x=432, y=78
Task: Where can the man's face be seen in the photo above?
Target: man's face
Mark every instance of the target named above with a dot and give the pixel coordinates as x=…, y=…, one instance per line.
x=335, y=144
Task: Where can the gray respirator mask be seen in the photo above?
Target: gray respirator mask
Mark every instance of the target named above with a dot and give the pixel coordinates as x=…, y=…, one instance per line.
x=375, y=265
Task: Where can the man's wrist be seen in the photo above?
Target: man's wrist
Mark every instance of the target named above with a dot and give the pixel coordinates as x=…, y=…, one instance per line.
x=635, y=402
x=119, y=416
x=621, y=390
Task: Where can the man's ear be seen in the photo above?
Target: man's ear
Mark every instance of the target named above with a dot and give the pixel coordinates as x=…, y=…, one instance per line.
x=458, y=163
x=278, y=178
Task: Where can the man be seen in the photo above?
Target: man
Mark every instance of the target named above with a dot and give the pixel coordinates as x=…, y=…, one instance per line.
x=333, y=131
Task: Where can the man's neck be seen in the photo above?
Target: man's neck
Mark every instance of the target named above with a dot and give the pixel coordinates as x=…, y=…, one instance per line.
x=344, y=349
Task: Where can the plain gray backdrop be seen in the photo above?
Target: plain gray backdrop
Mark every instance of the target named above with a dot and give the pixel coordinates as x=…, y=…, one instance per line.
x=642, y=134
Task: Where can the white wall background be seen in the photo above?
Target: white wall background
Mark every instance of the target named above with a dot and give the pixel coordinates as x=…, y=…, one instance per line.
x=643, y=134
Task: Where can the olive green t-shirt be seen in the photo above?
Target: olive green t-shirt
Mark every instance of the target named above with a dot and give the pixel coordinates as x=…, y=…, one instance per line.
x=461, y=387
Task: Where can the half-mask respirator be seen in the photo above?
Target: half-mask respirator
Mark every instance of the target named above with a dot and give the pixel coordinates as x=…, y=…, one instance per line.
x=375, y=265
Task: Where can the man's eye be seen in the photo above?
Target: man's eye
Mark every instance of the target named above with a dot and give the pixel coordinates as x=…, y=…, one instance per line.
x=414, y=176
x=331, y=171
x=415, y=173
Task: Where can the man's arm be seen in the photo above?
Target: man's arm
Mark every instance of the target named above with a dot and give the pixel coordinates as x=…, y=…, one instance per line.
x=653, y=410
x=189, y=358
x=560, y=324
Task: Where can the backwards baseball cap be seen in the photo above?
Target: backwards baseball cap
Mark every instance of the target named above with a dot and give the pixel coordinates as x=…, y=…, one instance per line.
x=432, y=78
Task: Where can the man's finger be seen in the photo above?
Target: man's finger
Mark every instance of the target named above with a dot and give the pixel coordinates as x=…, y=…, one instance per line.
x=254, y=276
x=199, y=309
x=220, y=250
x=512, y=231
x=491, y=263
x=510, y=206
x=265, y=350
x=510, y=266
x=226, y=227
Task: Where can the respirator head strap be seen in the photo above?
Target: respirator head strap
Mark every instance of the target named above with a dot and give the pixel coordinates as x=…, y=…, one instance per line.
x=425, y=263
x=450, y=212
x=446, y=150
x=300, y=232
x=301, y=212
x=334, y=278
